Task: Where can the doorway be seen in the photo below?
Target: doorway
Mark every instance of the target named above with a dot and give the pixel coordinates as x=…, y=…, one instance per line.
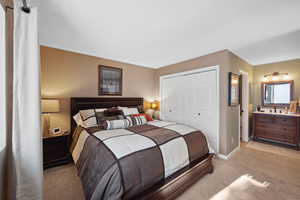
x=244, y=107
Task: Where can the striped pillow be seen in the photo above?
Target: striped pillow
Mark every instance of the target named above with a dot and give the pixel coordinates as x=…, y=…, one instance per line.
x=138, y=120
x=88, y=118
x=117, y=124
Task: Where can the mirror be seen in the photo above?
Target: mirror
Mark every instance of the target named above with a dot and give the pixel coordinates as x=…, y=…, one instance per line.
x=277, y=93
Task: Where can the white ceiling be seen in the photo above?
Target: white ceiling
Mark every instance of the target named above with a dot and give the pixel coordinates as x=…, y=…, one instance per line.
x=157, y=33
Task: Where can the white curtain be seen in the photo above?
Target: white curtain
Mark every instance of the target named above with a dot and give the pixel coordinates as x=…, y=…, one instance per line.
x=2, y=99
x=26, y=132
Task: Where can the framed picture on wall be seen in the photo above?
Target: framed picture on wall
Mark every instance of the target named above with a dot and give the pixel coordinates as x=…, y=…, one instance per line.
x=233, y=90
x=110, y=81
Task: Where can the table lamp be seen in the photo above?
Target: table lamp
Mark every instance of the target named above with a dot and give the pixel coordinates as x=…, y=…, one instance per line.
x=49, y=106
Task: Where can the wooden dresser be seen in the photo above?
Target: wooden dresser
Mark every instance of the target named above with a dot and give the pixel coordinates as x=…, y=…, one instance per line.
x=282, y=128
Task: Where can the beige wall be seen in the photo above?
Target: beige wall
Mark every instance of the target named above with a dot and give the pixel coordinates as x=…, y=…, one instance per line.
x=236, y=66
x=227, y=61
x=65, y=74
x=292, y=67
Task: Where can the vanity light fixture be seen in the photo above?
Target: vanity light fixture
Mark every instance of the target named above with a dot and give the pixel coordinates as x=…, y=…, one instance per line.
x=276, y=76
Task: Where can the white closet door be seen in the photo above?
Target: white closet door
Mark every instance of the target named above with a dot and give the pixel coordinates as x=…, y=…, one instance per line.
x=171, y=99
x=192, y=99
x=202, y=112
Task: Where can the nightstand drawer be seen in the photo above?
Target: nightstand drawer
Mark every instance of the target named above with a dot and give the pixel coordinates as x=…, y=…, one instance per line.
x=55, y=151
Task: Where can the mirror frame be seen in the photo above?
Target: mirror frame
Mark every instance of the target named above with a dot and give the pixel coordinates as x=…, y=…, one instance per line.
x=291, y=82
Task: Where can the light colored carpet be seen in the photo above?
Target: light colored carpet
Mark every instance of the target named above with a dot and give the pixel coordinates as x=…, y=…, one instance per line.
x=281, y=172
x=291, y=153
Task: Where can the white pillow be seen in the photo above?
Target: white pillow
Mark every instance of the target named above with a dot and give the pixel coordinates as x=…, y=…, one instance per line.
x=130, y=111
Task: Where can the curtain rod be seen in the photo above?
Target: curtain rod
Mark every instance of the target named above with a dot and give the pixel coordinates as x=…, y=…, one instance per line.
x=25, y=7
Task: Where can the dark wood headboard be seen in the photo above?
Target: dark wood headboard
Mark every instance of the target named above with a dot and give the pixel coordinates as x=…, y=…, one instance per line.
x=82, y=103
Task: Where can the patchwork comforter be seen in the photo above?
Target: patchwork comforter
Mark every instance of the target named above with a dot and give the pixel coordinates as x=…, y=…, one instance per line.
x=123, y=163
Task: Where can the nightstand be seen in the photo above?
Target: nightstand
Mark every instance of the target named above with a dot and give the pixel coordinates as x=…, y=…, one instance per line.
x=56, y=150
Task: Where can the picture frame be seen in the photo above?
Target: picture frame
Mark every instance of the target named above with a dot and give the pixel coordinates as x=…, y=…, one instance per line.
x=233, y=89
x=110, y=81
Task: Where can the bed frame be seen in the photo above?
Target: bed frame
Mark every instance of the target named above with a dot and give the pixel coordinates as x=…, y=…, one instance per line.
x=172, y=187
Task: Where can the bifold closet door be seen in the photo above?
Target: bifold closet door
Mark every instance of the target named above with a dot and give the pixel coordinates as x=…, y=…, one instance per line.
x=192, y=99
x=202, y=109
x=172, y=99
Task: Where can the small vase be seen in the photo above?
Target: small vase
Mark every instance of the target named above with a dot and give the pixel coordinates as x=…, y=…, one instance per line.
x=258, y=108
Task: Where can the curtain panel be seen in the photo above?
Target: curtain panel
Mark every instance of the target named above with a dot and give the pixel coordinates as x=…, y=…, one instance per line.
x=26, y=176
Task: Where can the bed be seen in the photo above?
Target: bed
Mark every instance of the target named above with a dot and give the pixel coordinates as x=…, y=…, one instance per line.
x=157, y=160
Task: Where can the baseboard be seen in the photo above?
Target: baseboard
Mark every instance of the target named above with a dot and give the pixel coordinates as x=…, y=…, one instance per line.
x=227, y=157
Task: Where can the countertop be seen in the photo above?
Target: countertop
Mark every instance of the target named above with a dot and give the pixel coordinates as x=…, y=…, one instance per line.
x=280, y=114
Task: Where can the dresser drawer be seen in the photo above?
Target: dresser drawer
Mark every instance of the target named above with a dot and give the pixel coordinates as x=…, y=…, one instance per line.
x=285, y=121
x=274, y=134
x=289, y=130
x=264, y=119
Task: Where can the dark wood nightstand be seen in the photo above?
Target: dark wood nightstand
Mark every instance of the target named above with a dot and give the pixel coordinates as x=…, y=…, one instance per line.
x=56, y=150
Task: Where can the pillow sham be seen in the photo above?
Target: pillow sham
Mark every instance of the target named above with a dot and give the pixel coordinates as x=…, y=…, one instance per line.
x=121, y=107
x=100, y=109
x=88, y=118
x=117, y=124
x=77, y=119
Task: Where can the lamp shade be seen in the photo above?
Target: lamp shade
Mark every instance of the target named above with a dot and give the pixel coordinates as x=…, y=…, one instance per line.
x=154, y=105
x=50, y=106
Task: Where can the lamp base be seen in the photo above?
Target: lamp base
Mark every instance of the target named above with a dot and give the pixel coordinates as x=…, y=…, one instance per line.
x=46, y=125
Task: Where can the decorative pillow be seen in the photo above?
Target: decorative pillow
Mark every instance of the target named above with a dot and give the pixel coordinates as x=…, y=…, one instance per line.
x=117, y=124
x=112, y=112
x=141, y=109
x=88, y=118
x=102, y=117
x=148, y=117
x=130, y=111
x=150, y=112
x=138, y=120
